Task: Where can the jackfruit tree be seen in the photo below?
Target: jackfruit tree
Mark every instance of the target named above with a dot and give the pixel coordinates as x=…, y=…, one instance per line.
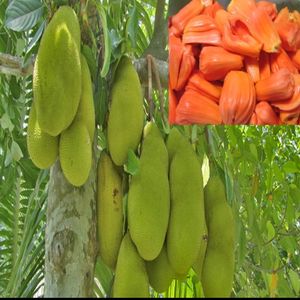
x=100, y=197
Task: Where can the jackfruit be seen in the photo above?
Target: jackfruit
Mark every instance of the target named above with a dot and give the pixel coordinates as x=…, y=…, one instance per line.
x=57, y=72
x=186, y=224
x=42, y=147
x=109, y=210
x=75, y=153
x=131, y=279
x=218, y=265
x=86, y=109
x=149, y=196
x=160, y=272
x=198, y=264
x=175, y=141
x=126, y=117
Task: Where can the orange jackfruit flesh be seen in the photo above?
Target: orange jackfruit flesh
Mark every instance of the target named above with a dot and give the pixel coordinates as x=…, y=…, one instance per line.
x=282, y=60
x=252, y=68
x=288, y=29
x=201, y=30
x=198, y=83
x=279, y=86
x=216, y=62
x=237, y=100
x=295, y=57
x=212, y=9
x=238, y=39
x=292, y=103
x=289, y=118
x=172, y=106
x=176, y=52
x=193, y=8
x=265, y=114
x=269, y=7
x=186, y=67
x=194, y=108
x=241, y=7
x=263, y=29
x=264, y=65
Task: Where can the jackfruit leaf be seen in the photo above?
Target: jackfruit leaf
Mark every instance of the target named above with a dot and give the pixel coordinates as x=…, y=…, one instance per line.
x=295, y=280
x=22, y=15
x=36, y=37
x=291, y=167
x=107, y=40
x=133, y=163
x=271, y=231
x=6, y=123
x=290, y=210
x=132, y=25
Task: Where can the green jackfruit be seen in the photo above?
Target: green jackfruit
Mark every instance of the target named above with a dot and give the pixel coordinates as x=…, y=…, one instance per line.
x=198, y=264
x=86, y=109
x=126, y=117
x=186, y=225
x=218, y=265
x=75, y=153
x=131, y=279
x=109, y=210
x=42, y=148
x=149, y=196
x=57, y=72
x=160, y=272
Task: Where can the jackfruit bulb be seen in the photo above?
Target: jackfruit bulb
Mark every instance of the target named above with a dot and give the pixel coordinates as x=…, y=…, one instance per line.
x=126, y=116
x=57, y=72
x=86, y=109
x=131, y=279
x=218, y=265
x=75, y=153
x=160, y=272
x=42, y=147
x=187, y=219
x=109, y=210
x=149, y=196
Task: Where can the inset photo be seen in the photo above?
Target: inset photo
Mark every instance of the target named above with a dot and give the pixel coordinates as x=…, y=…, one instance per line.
x=235, y=62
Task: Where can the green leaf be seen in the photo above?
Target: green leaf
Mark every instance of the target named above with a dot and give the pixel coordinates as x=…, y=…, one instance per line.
x=270, y=230
x=6, y=123
x=295, y=280
x=36, y=37
x=132, y=25
x=133, y=163
x=291, y=167
x=16, y=151
x=107, y=41
x=22, y=15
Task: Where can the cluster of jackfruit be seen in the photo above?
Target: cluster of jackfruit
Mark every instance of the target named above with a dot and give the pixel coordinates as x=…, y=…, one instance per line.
x=169, y=223
x=62, y=117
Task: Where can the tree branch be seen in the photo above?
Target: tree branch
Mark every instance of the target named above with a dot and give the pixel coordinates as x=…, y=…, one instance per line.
x=157, y=46
x=12, y=65
x=162, y=68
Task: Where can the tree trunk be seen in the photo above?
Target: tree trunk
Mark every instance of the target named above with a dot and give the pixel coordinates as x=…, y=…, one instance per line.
x=71, y=246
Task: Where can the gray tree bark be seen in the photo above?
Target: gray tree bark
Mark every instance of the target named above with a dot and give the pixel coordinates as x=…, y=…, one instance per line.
x=71, y=244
